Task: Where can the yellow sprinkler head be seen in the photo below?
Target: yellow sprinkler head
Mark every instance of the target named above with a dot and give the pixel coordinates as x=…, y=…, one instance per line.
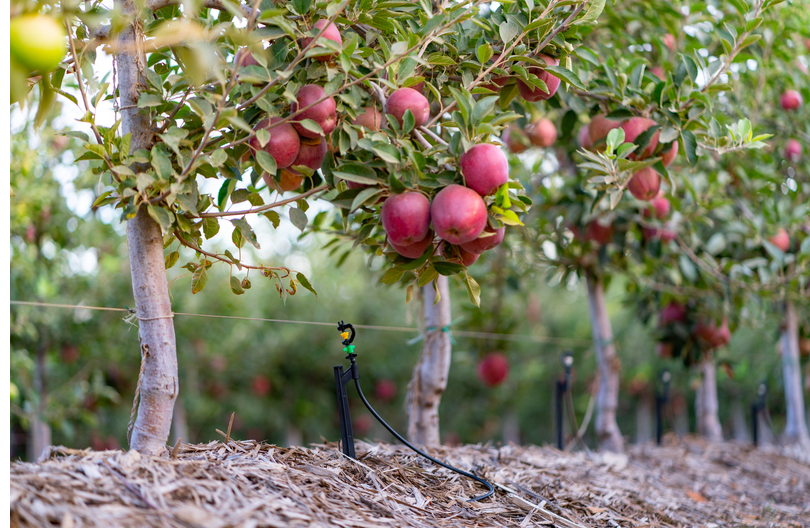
x=345, y=335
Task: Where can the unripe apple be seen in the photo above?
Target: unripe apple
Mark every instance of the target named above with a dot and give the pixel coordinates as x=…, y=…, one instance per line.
x=406, y=217
x=332, y=33
x=791, y=100
x=644, y=184
x=515, y=139
x=599, y=233
x=669, y=156
x=793, y=150
x=485, y=243
x=37, y=42
x=323, y=113
x=669, y=41
x=385, y=390
x=584, y=139
x=485, y=168
x=599, y=128
x=459, y=214
x=288, y=180
x=634, y=127
x=532, y=93
x=415, y=249
x=404, y=99
x=261, y=385
x=674, y=312
x=284, y=142
x=781, y=240
x=543, y=133
x=311, y=153
x=493, y=369
x=370, y=118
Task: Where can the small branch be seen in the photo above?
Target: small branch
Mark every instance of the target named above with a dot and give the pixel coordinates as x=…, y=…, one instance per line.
x=435, y=137
x=169, y=119
x=559, y=29
x=267, y=207
x=421, y=139
x=224, y=259
x=154, y=5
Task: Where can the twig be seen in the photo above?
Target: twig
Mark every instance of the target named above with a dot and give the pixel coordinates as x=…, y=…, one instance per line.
x=435, y=137
x=226, y=260
x=267, y=207
x=169, y=119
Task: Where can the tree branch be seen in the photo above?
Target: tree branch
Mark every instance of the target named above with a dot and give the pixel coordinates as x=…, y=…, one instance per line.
x=267, y=207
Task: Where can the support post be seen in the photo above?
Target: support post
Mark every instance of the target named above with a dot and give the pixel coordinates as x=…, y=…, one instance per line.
x=558, y=404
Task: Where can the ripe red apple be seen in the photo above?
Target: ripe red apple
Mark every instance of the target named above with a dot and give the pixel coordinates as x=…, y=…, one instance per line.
x=599, y=233
x=515, y=139
x=485, y=168
x=323, y=113
x=669, y=41
x=261, y=385
x=634, y=127
x=288, y=180
x=485, y=243
x=664, y=233
x=659, y=204
x=249, y=59
x=793, y=150
x=663, y=349
x=458, y=254
x=284, y=142
x=791, y=100
x=674, y=312
x=404, y=99
x=712, y=336
x=781, y=240
x=658, y=71
x=371, y=118
x=530, y=92
x=311, y=153
x=459, y=214
x=599, y=128
x=669, y=156
x=543, y=133
x=493, y=369
x=406, y=217
x=415, y=249
x=332, y=33
x=584, y=139
x=69, y=353
x=644, y=184
x=385, y=390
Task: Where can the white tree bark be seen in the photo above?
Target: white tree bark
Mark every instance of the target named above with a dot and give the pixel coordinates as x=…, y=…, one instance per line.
x=706, y=407
x=40, y=430
x=645, y=418
x=159, y=385
x=796, y=427
x=432, y=369
x=607, y=398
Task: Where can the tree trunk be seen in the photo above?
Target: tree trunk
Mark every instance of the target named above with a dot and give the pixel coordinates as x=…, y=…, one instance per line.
x=742, y=433
x=795, y=427
x=607, y=398
x=706, y=407
x=180, y=429
x=40, y=430
x=645, y=416
x=159, y=384
x=430, y=374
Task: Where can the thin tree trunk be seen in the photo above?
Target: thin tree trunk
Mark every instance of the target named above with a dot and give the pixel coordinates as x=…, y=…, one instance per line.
x=607, y=398
x=180, y=423
x=159, y=384
x=40, y=430
x=644, y=418
x=795, y=427
x=706, y=407
x=742, y=433
x=430, y=374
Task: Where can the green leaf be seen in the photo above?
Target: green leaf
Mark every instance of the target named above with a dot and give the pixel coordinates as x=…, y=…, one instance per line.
x=210, y=227
x=162, y=216
x=689, y=146
x=508, y=30
x=595, y=8
x=273, y=217
x=171, y=259
x=305, y=283
x=473, y=290
x=199, y=278
x=236, y=286
x=484, y=53
x=566, y=75
x=267, y=162
x=298, y=219
x=246, y=231
x=312, y=126
x=366, y=195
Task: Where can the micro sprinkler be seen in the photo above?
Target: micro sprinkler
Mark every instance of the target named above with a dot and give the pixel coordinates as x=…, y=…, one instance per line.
x=342, y=378
x=661, y=400
x=567, y=361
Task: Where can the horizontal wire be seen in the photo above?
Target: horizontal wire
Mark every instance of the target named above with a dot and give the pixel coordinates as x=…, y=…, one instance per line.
x=460, y=333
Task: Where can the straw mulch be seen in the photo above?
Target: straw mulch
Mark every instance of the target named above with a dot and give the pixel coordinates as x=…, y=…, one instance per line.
x=249, y=484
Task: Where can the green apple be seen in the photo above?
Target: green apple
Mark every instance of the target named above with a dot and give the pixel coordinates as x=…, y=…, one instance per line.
x=37, y=42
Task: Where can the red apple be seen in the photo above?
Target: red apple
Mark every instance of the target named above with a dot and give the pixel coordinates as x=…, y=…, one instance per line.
x=634, y=127
x=362, y=424
x=669, y=156
x=791, y=100
x=599, y=233
x=385, y=390
x=288, y=180
x=485, y=243
x=459, y=254
x=261, y=385
x=660, y=205
x=493, y=369
x=404, y=99
x=669, y=41
x=515, y=139
x=658, y=71
x=584, y=139
x=543, y=133
x=371, y=118
x=644, y=184
x=664, y=233
x=485, y=168
x=249, y=59
x=781, y=240
x=69, y=353
x=599, y=128
x=332, y=33
x=712, y=336
x=793, y=150
x=284, y=142
x=663, y=349
x=415, y=249
x=323, y=113
x=406, y=217
x=530, y=92
x=459, y=214
x=674, y=312
x=311, y=153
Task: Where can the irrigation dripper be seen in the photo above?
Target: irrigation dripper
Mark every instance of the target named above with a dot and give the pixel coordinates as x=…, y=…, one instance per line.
x=347, y=437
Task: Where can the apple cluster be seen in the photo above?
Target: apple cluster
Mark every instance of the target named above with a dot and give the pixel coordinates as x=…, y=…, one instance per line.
x=791, y=101
x=706, y=332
